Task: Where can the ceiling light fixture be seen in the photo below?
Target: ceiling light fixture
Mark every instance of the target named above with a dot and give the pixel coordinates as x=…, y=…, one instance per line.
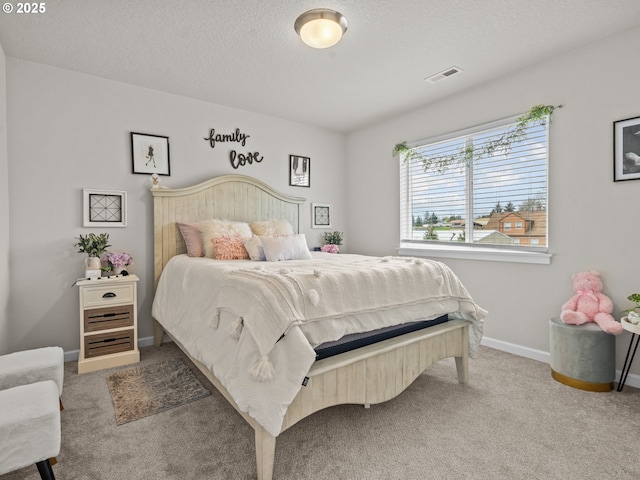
x=321, y=28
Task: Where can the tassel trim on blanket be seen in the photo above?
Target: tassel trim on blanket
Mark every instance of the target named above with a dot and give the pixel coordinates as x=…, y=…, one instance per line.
x=263, y=370
x=235, y=328
x=215, y=320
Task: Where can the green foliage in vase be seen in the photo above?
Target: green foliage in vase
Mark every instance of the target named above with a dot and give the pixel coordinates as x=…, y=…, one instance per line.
x=635, y=298
x=92, y=244
x=500, y=144
x=333, y=238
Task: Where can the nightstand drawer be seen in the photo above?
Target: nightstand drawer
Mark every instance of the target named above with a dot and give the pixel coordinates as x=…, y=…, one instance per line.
x=106, y=343
x=106, y=294
x=109, y=317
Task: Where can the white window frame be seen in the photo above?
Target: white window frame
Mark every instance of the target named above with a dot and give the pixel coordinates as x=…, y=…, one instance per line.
x=468, y=251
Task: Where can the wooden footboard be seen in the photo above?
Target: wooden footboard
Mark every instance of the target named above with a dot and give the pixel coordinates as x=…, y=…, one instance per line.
x=379, y=372
x=369, y=375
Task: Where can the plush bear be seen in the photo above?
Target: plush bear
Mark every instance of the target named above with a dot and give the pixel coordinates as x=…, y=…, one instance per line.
x=589, y=304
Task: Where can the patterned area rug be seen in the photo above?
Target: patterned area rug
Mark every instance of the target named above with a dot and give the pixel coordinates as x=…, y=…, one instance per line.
x=143, y=391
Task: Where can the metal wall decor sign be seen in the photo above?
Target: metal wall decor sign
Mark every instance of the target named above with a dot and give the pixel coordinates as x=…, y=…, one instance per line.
x=236, y=159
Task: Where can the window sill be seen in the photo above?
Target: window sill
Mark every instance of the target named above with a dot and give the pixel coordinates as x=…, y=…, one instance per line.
x=474, y=253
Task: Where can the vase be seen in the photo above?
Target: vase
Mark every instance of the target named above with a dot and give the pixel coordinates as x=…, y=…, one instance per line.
x=92, y=267
x=92, y=263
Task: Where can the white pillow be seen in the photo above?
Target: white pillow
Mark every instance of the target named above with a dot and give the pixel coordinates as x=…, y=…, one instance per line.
x=291, y=247
x=255, y=248
x=217, y=228
x=272, y=228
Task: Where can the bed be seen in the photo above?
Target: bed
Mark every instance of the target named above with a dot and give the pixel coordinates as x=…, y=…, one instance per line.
x=301, y=384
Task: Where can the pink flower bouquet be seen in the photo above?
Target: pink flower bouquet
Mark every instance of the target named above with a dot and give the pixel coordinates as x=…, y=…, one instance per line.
x=118, y=260
x=330, y=248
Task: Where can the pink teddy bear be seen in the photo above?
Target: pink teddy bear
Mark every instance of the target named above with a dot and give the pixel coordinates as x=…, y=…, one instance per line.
x=589, y=304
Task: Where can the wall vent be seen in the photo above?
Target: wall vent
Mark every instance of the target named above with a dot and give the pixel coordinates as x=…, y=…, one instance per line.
x=449, y=72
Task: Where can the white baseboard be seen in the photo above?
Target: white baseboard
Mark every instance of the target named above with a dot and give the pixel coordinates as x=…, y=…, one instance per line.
x=541, y=356
x=72, y=355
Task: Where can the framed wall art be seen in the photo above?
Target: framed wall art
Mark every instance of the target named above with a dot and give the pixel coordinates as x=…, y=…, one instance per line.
x=299, y=171
x=626, y=149
x=150, y=154
x=104, y=208
x=320, y=215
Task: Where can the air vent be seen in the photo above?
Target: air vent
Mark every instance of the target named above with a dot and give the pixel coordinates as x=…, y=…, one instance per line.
x=449, y=72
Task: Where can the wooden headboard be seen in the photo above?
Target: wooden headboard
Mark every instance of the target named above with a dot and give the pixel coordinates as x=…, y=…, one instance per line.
x=228, y=197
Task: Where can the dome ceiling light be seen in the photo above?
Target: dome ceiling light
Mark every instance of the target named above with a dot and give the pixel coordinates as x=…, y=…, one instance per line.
x=321, y=28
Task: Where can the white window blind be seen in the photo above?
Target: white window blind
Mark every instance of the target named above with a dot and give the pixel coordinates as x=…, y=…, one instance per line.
x=488, y=199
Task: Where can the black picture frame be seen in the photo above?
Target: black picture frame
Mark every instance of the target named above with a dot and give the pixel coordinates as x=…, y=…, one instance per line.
x=626, y=149
x=299, y=171
x=150, y=154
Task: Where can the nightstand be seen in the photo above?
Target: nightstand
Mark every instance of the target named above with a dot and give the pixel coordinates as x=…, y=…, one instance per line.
x=108, y=323
x=635, y=333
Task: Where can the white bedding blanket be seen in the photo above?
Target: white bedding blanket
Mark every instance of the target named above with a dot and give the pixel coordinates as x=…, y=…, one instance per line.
x=198, y=301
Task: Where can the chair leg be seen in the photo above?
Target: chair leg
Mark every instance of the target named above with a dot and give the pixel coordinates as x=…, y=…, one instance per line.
x=46, y=472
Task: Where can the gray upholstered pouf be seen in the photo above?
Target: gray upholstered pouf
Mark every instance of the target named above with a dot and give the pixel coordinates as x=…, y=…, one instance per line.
x=582, y=356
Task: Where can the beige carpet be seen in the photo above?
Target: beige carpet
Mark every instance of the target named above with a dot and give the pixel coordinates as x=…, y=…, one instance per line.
x=142, y=391
x=512, y=422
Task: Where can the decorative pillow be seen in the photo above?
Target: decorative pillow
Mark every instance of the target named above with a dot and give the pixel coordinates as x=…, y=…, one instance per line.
x=272, y=228
x=192, y=239
x=290, y=247
x=254, y=248
x=229, y=247
x=217, y=228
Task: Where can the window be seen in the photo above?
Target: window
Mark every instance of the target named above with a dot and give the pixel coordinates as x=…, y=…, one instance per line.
x=476, y=201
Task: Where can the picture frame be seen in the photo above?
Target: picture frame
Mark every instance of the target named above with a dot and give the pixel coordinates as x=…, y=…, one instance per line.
x=321, y=215
x=150, y=154
x=626, y=149
x=104, y=208
x=299, y=171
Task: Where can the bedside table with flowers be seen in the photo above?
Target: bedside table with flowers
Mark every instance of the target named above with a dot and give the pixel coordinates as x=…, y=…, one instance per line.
x=108, y=307
x=108, y=322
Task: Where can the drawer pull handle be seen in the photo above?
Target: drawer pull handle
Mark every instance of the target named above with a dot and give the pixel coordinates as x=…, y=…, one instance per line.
x=109, y=315
x=109, y=295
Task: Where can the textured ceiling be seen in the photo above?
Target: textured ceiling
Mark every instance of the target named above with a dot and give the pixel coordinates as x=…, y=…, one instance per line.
x=245, y=53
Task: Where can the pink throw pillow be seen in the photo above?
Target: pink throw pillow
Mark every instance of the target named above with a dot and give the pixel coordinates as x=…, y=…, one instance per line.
x=192, y=239
x=229, y=247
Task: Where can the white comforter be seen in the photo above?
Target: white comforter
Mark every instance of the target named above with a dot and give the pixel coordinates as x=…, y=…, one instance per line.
x=200, y=303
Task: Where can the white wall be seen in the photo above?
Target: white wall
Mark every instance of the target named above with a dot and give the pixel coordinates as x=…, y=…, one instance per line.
x=4, y=212
x=70, y=131
x=593, y=221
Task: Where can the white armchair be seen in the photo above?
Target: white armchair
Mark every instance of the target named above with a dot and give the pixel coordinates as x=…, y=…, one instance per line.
x=31, y=384
x=30, y=427
x=31, y=366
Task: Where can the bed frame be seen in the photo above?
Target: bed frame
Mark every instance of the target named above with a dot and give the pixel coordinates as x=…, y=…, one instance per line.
x=368, y=375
